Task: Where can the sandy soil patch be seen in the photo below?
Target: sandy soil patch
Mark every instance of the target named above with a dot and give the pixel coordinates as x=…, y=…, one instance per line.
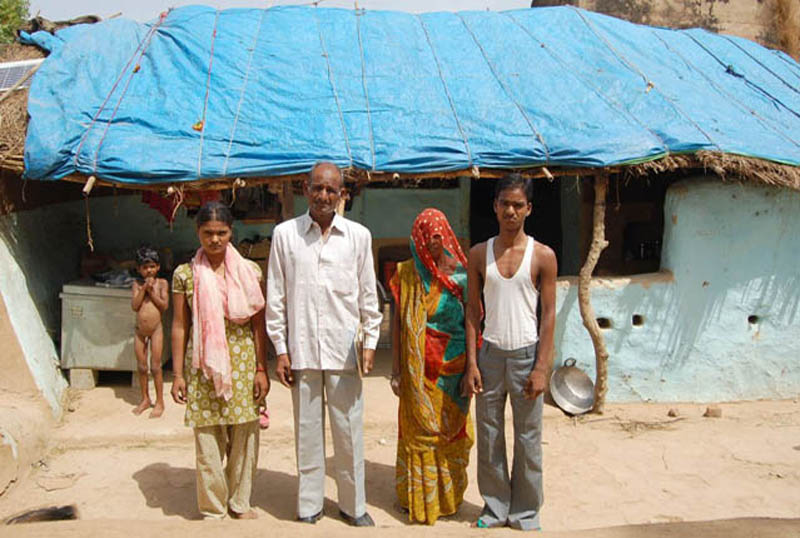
x=634, y=465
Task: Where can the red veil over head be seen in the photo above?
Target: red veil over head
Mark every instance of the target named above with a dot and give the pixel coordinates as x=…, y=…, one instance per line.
x=432, y=222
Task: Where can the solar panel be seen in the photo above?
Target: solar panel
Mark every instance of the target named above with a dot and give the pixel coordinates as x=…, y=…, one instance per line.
x=12, y=72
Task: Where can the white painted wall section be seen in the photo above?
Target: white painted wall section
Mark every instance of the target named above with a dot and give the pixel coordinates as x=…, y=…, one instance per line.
x=40, y=353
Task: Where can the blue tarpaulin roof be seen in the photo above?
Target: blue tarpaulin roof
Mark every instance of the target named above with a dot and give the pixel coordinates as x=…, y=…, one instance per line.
x=202, y=93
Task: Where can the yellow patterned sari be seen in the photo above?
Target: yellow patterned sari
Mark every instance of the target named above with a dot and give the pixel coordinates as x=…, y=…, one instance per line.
x=435, y=430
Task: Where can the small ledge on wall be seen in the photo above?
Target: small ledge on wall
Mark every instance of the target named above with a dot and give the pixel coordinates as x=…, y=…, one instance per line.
x=664, y=276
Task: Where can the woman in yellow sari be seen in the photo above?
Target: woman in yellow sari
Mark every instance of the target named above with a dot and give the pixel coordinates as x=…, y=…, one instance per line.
x=435, y=431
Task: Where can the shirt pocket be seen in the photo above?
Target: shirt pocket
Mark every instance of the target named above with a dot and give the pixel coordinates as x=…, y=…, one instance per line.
x=341, y=279
x=337, y=268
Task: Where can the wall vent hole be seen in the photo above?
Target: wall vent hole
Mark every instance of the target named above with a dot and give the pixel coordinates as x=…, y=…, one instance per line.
x=637, y=320
x=604, y=323
x=752, y=320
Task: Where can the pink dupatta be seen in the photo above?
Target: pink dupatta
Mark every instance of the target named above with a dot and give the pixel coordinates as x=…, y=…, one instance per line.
x=237, y=297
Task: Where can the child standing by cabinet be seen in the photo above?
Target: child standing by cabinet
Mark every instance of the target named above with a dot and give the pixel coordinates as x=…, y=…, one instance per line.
x=150, y=300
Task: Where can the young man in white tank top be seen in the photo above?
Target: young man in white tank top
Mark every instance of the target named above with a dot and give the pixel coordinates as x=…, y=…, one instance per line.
x=515, y=273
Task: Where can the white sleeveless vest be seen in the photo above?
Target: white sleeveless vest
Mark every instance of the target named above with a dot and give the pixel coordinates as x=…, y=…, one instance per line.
x=510, y=303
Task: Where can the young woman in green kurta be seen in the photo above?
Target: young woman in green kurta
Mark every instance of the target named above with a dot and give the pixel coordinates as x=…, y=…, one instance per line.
x=203, y=407
x=225, y=379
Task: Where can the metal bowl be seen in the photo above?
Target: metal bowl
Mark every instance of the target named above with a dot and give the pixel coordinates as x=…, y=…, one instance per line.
x=571, y=388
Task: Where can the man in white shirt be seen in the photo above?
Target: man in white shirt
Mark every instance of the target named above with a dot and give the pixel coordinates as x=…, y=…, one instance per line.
x=320, y=286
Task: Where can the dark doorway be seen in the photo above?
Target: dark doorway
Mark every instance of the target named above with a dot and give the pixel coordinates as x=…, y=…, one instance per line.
x=544, y=224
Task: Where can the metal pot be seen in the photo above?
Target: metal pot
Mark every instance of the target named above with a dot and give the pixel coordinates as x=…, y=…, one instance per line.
x=571, y=388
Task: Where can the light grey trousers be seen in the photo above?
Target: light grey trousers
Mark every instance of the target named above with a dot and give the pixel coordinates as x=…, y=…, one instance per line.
x=515, y=502
x=341, y=389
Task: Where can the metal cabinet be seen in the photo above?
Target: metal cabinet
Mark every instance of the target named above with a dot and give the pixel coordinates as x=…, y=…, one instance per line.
x=97, y=326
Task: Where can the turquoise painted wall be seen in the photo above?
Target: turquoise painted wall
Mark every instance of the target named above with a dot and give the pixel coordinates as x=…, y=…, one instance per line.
x=389, y=213
x=46, y=243
x=729, y=253
x=121, y=224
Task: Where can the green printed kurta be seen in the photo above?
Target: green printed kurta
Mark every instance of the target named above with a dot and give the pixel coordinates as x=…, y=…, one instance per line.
x=203, y=407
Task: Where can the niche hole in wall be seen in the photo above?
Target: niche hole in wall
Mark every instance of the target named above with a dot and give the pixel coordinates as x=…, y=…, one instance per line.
x=637, y=320
x=753, y=319
x=604, y=323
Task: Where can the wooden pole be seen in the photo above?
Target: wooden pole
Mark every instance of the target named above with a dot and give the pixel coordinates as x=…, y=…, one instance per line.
x=287, y=201
x=584, y=292
x=19, y=83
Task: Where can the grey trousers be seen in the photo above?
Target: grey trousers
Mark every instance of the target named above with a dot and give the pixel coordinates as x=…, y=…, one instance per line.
x=515, y=502
x=341, y=389
x=219, y=489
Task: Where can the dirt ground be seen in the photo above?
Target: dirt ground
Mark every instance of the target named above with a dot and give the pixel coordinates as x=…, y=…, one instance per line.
x=632, y=472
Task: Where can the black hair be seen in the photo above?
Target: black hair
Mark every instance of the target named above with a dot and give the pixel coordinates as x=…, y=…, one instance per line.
x=515, y=181
x=147, y=253
x=214, y=211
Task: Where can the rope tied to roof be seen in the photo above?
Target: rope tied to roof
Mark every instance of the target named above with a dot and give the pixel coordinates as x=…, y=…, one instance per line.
x=332, y=82
x=87, y=189
x=727, y=94
x=759, y=62
x=731, y=70
x=244, y=88
x=446, y=90
x=632, y=66
x=202, y=122
x=608, y=99
x=178, y=197
x=496, y=75
x=358, y=15
x=140, y=50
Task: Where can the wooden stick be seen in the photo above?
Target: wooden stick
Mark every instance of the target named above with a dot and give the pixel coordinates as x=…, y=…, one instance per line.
x=287, y=201
x=19, y=83
x=356, y=175
x=584, y=292
x=89, y=185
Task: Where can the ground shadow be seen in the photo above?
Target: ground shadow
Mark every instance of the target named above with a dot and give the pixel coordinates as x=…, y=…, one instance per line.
x=172, y=489
x=121, y=382
x=383, y=364
x=381, y=493
x=275, y=492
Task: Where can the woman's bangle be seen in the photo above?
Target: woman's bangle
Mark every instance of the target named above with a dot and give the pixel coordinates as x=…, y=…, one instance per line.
x=260, y=369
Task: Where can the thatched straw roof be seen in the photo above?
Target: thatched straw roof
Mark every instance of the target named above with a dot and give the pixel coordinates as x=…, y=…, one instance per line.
x=726, y=166
x=13, y=111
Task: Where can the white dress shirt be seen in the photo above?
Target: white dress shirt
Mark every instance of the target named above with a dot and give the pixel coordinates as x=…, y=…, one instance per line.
x=318, y=291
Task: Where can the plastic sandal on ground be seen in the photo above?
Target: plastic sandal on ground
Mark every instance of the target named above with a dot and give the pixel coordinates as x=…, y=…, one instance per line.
x=263, y=418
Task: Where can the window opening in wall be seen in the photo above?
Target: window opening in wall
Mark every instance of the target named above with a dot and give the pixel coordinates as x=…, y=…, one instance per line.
x=634, y=224
x=753, y=319
x=637, y=320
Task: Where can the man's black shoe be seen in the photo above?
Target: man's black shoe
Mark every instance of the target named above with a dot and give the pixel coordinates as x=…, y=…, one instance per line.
x=363, y=520
x=310, y=519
